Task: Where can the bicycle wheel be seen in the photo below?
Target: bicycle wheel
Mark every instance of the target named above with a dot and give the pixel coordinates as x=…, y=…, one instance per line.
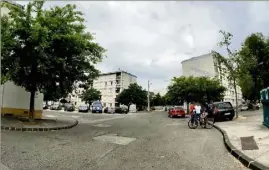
x=209, y=122
x=193, y=125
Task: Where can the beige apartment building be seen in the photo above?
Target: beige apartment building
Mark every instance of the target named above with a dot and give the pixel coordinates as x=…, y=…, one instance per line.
x=111, y=84
x=205, y=65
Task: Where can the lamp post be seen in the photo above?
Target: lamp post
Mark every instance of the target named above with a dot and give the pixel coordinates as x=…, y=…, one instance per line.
x=148, y=95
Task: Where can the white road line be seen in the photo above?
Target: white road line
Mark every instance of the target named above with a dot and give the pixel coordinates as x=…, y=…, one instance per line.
x=106, y=153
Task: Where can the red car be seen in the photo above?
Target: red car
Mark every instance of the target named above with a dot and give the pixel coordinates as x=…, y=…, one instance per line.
x=176, y=112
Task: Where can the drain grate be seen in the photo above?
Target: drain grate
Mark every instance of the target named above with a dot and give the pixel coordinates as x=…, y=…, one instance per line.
x=248, y=143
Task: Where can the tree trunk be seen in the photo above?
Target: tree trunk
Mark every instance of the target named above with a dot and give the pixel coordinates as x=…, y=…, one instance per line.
x=32, y=92
x=128, y=108
x=236, y=102
x=32, y=106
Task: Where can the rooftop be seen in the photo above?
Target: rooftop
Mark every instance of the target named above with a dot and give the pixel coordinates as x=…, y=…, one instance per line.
x=120, y=71
x=197, y=57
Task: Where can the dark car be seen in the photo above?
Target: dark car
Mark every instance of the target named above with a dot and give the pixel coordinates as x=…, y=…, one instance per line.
x=45, y=106
x=97, y=107
x=121, y=110
x=223, y=110
x=83, y=108
x=109, y=110
x=69, y=107
x=56, y=107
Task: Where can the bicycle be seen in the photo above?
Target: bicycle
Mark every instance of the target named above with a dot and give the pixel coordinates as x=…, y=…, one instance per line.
x=203, y=120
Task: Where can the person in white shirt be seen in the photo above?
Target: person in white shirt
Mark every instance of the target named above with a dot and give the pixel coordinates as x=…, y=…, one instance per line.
x=197, y=108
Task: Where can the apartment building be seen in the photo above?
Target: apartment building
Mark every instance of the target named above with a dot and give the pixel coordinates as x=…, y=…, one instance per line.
x=206, y=65
x=111, y=84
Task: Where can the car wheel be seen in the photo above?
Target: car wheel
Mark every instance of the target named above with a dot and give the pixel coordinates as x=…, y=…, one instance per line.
x=231, y=118
x=183, y=116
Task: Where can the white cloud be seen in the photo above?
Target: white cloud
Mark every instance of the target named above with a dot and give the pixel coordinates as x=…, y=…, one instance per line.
x=150, y=39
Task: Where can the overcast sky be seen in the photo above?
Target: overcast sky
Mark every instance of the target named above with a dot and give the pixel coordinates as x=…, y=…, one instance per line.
x=150, y=39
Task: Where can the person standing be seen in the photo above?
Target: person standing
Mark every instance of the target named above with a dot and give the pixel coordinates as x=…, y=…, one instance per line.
x=197, y=109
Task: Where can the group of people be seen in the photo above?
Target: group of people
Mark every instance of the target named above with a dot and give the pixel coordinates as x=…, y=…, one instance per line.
x=196, y=109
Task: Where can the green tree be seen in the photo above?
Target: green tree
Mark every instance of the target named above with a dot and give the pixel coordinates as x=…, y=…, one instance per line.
x=47, y=48
x=133, y=95
x=194, y=89
x=253, y=65
x=157, y=100
x=228, y=66
x=91, y=95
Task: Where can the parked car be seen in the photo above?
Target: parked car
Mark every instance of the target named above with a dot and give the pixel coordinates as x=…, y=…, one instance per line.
x=56, y=107
x=176, y=112
x=97, y=107
x=69, y=107
x=121, y=110
x=83, y=108
x=109, y=110
x=45, y=106
x=244, y=107
x=223, y=110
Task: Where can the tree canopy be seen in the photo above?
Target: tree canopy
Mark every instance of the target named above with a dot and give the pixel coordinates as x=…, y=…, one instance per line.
x=158, y=100
x=91, y=95
x=134, y=94
x=253, y=65
x=194, y=89
x=47, y=50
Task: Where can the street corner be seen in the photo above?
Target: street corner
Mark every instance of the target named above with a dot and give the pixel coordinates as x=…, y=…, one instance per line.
x=243, y=146
x=44, y=124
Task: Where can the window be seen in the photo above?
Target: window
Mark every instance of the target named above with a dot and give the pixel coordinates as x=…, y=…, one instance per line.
x=225, y=105
x=111, y=82
x=105, y=83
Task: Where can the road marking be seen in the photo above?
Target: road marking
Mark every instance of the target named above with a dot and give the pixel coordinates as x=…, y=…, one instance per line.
x=102, y=125
x=98, y=120
x=106, y=153
x=73, y=116
x=49, y=116
x=120, y=140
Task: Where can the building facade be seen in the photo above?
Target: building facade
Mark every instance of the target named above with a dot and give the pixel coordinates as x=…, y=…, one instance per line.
x=206, y=65
x=111, y=84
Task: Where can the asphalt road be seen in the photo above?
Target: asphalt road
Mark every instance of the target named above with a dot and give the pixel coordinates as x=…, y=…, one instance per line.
x=135, y=141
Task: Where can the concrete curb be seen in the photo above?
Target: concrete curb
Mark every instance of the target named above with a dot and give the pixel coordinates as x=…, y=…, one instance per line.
x=244, y=159
x=10, y=128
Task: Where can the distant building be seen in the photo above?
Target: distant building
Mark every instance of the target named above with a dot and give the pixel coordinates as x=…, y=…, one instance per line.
x=111, y=84
x=206, y=65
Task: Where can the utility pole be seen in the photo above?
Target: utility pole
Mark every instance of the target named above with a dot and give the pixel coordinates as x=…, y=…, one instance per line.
x=148, y=97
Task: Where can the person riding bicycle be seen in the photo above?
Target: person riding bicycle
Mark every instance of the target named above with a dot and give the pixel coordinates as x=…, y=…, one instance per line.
x=197, y=109
x=196, y=112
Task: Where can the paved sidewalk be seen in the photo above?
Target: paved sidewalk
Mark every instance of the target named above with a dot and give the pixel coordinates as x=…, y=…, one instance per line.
x=246, y=126
x=44, y=124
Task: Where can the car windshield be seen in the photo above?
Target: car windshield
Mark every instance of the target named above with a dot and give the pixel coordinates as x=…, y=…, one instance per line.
x=224, y=105
x=178, y=108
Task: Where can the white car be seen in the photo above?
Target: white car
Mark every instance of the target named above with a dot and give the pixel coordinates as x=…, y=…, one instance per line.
x=244, y=108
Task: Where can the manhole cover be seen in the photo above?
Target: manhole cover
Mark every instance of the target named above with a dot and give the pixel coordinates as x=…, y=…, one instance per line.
x=248, y=143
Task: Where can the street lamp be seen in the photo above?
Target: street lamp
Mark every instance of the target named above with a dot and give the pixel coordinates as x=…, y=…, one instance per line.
x=148, y=95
